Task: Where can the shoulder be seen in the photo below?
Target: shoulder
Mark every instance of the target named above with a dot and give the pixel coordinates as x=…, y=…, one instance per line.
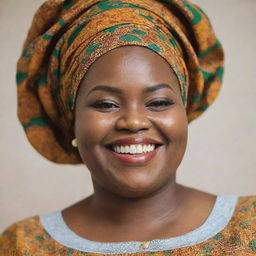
x=20, y=235
x=243, y=222
x=246, y=209
x=238, y=236
x=242, y=217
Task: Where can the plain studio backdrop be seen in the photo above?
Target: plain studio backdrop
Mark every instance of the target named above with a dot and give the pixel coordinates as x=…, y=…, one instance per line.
x=220, y=156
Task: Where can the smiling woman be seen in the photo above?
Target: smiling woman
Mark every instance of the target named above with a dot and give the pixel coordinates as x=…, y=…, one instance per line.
x=113, y=85
x=143, y=107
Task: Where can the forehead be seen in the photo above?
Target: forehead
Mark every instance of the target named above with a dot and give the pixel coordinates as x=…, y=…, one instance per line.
x=127, y=66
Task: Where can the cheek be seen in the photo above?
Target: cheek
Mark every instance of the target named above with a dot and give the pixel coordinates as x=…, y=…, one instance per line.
x=91, y=127
x=173, y=125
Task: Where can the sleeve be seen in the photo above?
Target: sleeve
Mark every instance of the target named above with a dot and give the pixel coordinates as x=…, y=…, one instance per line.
x=8, y=241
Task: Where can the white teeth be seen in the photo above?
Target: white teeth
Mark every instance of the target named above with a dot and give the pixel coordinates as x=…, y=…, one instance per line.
x=126, y=149
x=139, y=149
x=117, y=149
x=134, y=149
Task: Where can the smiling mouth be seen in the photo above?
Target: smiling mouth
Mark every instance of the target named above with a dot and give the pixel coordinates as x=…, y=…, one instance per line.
x=133, y=149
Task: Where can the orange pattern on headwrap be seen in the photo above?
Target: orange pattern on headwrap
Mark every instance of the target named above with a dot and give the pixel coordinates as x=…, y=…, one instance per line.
x=66, y=37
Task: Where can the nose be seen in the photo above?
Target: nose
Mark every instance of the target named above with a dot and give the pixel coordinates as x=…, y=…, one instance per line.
x=133, y=119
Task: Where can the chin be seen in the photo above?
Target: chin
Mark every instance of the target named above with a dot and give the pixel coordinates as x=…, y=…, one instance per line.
x=136, y=187
x=131, y=192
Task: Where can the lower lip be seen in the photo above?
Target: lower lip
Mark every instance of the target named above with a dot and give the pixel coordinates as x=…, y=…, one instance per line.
x=135, y=159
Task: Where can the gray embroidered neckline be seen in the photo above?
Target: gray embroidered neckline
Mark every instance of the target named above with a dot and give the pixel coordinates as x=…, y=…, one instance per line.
x=219, y=217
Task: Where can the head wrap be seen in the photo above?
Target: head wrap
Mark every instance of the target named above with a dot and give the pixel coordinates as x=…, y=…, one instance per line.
x=66, y=37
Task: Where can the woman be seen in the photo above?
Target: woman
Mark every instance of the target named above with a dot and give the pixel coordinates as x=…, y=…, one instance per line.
x=113, y=85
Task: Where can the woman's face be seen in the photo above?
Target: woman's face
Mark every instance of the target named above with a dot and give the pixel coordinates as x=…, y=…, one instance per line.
x=130, y=98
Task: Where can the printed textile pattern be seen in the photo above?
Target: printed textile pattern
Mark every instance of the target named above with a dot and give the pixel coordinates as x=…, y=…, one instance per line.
x=28, y=237
x=66, y=37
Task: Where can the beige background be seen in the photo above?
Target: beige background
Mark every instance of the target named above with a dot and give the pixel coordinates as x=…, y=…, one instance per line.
x=220, y=157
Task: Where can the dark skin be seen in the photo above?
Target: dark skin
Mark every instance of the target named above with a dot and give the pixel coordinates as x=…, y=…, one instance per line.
x=133, y=202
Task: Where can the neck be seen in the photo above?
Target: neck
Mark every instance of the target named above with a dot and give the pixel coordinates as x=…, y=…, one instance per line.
x=154, y=209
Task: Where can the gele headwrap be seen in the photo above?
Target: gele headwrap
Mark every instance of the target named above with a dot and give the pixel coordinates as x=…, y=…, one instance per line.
x=66, y=37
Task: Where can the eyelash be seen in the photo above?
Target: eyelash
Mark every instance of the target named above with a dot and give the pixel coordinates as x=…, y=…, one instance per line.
x=157, y=103
x=101, y=104
x=163, y=103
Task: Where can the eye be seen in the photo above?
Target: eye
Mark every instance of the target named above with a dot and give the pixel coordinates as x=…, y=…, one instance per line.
x=160, y=104
x=104, y=106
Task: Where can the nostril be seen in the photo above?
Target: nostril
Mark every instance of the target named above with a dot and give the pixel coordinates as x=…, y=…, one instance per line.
x=132, y=123
x=133, y=129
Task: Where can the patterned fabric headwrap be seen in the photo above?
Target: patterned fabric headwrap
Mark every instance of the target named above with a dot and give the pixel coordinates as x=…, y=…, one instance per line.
x=67, y=36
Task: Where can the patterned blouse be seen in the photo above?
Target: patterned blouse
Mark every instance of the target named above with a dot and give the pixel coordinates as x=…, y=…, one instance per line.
x=230, y=229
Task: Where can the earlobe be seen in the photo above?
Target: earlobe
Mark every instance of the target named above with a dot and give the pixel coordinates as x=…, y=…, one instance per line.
x=74, y=143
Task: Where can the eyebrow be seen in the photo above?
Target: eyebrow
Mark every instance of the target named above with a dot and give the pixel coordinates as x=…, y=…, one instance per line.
x=105, y=88
x=114, y=90
x=158, y=87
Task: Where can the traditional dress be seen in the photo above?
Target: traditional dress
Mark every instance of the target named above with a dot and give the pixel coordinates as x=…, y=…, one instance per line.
x=230, y=229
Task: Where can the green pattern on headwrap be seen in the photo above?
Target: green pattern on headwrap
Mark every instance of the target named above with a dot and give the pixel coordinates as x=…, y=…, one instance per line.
x=21, y=76
x=47, y=37
x=56, y=91
x=91, y=48
x=62, y=22
x=113, y=28
x=209, y=50
x=209, y=77
x=172, y=41
x=203, y=108
x=154, y=47
x=26, y=54
x=70, y=100
x=40, y=121
x=138, y=32
x=56, y=72
x=56, y=53
x=197, y=97
x=84, y=60
x=75, y=33
x=197, y=16
x=42, y=80
x=108, y=5
x=220, y=72
x=67, y=4
x=160, y=34
x=130, y=38
x=147, y=17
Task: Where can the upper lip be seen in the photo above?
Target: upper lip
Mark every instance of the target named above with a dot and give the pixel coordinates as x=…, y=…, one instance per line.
x=132, y=140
